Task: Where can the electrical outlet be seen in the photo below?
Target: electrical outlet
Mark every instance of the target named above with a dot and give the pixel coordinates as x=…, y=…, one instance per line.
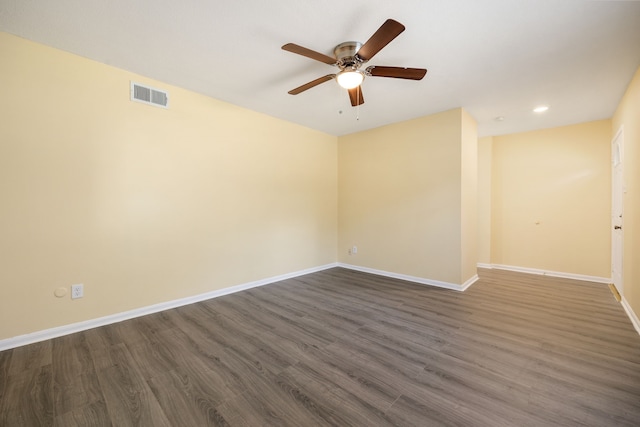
x=354, y=250
x=77, y=291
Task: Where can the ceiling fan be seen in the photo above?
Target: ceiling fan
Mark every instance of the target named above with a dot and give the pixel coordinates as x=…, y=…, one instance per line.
x=350, y=56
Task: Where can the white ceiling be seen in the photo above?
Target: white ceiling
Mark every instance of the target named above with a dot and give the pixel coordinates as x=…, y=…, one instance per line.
x=492, y=57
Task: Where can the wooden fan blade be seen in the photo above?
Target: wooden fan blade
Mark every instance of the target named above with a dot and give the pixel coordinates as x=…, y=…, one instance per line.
x=387, y=32
x=311, y=84
x=355, y=95
x=294, y=48
x=397, y=72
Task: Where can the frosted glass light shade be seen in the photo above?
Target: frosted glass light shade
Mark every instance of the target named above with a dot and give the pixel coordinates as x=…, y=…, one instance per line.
x=350, y=79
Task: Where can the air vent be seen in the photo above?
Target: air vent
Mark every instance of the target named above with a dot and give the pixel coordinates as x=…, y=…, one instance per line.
x=149, y=95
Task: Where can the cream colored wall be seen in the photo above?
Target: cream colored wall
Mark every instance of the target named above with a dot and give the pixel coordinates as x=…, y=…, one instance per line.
x=551, y=199
x=469, y=197
x=628, y=115
x=485, y=145
x=400, y=197
x=146, y=205
x=142, y=204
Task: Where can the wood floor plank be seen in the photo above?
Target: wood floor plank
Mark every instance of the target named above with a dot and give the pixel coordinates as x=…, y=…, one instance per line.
x=129, y=400
x=75, y=383
x=345, y=348
x=189, y=398
x=209, y=338
x=28, y=399
x=432, y=409
x=94, y=414
x=268, y=400
x=333, y=405
x=5, y=361
x=32, y=356
x=196, y=361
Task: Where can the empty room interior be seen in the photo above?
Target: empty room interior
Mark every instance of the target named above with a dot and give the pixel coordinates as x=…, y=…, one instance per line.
x=200, y=224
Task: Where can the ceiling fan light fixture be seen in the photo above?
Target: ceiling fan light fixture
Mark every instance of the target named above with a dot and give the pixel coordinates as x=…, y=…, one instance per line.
x=350, y=79
x=349, y=56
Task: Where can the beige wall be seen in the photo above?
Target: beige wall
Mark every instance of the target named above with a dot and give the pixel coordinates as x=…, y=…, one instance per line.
x=628, y=116
x=551, y=199
x=142, y=204
x=400, y=197
x=146, y=205
x=485, y=151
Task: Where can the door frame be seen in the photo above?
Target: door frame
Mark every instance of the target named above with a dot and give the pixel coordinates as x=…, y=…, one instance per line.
x=617, y=196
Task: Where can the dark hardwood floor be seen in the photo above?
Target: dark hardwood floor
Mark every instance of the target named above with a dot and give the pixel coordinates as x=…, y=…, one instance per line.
x=344, y=348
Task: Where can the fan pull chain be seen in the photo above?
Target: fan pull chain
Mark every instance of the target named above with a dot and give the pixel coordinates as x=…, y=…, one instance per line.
x=358, y=107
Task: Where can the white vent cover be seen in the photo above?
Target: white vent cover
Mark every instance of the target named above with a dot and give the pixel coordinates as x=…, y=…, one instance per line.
x=149, y=95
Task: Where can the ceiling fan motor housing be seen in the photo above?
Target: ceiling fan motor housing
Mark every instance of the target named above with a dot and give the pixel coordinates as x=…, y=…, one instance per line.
x=346, y=55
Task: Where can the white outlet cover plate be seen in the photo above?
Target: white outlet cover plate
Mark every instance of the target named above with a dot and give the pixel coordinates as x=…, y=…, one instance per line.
x=77, y=291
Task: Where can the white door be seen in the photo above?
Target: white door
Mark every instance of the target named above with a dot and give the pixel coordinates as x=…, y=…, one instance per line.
x=617, y=191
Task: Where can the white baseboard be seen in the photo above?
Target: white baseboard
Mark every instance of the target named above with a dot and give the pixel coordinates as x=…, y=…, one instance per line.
x=469, y=282
x=632, y=315
x=46, y=334
x=581, y=277
x=415, y=279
